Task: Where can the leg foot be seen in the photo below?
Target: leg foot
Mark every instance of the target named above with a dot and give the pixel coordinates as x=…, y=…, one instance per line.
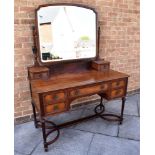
x=46, y=148
x=45, y=124
x=34, y=114
x=121, y=121
x=122, y=109
x=44, y=134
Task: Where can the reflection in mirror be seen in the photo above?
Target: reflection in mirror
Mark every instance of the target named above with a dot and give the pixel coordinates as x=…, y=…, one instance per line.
x=66, y=32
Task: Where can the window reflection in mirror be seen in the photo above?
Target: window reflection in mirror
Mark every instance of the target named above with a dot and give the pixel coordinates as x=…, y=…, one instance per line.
x=66, y=32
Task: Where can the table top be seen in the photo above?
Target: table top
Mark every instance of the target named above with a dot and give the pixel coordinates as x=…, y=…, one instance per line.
x=69, y=80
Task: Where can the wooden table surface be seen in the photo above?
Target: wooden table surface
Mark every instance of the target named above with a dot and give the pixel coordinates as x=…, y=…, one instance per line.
x=69, y=80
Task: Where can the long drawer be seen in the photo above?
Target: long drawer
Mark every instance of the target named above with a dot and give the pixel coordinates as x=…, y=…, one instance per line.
x=88, y=90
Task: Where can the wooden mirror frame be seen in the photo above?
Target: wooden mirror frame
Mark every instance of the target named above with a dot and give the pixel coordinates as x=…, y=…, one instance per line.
x=36, y=49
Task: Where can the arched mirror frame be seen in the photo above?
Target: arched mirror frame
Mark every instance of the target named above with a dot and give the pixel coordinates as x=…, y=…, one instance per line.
x=36, y=48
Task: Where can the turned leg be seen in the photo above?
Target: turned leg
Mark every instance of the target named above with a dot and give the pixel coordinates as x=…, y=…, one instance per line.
x=34, y=114
x=101, y=104
x=44, y=135
x=99, y=109
x=122, y=109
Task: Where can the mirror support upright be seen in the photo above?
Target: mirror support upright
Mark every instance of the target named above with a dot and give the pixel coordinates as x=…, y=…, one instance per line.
x=34, y=48
x=98, y=43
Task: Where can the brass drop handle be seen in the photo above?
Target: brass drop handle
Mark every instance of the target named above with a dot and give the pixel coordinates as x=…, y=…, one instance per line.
x=56, y=107
x=102, y=87
x=118, y=92
x=55, y=97
x=48, y=99
x=117, y=83
x=105, y=66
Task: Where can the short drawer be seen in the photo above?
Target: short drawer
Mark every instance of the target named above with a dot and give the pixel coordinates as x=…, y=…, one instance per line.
x=55, y=108
x=88, y=90
x=117, y=93
x=54, y=97
x=118, y=84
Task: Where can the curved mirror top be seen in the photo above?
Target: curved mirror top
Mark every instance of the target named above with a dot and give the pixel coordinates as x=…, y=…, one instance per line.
x=66, y=33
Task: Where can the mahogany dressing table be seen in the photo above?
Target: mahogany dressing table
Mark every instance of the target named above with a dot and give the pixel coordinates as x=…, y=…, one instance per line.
x=56, y=79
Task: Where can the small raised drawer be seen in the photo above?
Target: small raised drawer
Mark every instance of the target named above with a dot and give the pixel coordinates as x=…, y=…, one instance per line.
x=55, y=108
x=38, y=73
x=118, y=84
x=88, y=90
x=54, y=98
x=117, y=93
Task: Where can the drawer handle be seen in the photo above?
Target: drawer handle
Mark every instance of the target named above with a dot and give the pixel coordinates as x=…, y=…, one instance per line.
x=118, y=92
x=37, y=75
x=102, y=87
x=117, y=83
x=48, y=99
x=56, y=107
x=55, y=97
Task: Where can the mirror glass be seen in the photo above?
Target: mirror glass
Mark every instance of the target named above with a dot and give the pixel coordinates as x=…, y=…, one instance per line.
x=66, y=33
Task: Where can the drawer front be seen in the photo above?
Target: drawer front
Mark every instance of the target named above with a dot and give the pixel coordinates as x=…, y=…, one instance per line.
x=54, y=98
x=55, y=108
x=104, y=67
x=88, y=90
x=117, y=93
x=118, y=84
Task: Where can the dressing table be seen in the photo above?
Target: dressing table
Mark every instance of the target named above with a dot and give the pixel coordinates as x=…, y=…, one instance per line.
x=67, y=67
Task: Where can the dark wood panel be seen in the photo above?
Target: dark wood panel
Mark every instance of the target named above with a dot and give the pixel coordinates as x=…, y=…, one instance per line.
x=69, y=67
